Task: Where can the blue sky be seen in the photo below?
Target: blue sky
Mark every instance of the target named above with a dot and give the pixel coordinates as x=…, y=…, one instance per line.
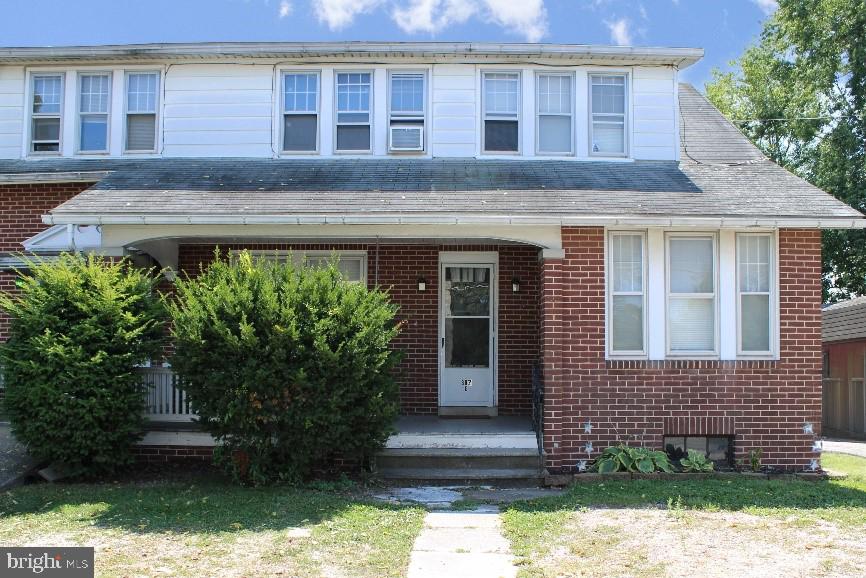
x=722, y=28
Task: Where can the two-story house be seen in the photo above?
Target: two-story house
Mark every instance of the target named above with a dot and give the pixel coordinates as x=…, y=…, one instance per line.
x=638, y=270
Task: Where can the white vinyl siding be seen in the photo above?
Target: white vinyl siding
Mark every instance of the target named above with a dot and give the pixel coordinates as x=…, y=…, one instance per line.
x=94, y=95
x=354, y=106
x=554, y=107
x=501, y=106
x=407, y=98
x=46, y=112
x=142, y=104
x=692, y=319
x=627, y=293
x=300, y=127
x=608, y=102
x=755, y=288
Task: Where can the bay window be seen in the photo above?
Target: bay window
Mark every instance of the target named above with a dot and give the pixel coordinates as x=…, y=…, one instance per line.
x=754, y=293
x=46, y=112
x=554, y=109
x=354, y=112
x=94, y=92
x=691, y=294
x=501, y=108
x=607, y=103
x=142, y=102
x=627, y=294
x=300, y=112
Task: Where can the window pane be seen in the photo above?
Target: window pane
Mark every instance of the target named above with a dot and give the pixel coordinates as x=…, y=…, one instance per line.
x=141, y=88
x=94, y=133
x=353, y=92
x=500, y=135
x=407, y=93
x=300, y=132
x=691, y=265
x=697, y=443
x=755, y=322
x=353, y=138
x=300, y=92
x=554, y=134
x=554, y=94
x=627, y=262
x=608, y=136
x=608, y=95
x=47, y=94
x=467, y=291
x=692, y=324
x=501, y=93
x=93, y=96
x=349, y=267
x=46, y=129
x=717, y=449
x=627, y=323
x=140, y=132
x=355, y=117
x=753, y=256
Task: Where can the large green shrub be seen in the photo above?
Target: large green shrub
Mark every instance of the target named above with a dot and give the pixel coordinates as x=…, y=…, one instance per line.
x=286, y=367
x=79, y=325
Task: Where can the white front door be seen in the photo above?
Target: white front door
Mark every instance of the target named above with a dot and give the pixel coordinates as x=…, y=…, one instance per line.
x=467, y=308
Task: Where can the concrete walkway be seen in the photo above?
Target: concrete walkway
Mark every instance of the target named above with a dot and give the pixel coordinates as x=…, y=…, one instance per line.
x=462, y=544
x=852, y=447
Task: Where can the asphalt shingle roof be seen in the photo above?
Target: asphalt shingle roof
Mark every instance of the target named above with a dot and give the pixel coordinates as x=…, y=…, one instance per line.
x=721, y=174
x=845, y=321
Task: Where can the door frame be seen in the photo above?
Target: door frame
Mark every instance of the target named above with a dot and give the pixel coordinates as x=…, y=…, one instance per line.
x=464, y=258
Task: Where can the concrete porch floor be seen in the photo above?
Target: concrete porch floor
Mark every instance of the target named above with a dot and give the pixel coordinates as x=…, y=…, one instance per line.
x=431, y=424
x=430, y=432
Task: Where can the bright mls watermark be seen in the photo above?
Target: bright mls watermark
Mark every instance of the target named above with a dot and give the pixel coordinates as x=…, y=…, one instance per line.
x=47, y=562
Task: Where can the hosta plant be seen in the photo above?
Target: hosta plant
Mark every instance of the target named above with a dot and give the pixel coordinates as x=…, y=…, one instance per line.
x=695, y=461
x=623, y=458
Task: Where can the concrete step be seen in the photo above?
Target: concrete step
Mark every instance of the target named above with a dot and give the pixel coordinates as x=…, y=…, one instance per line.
x=502, y=477
x=446, y=440
x=459, y=458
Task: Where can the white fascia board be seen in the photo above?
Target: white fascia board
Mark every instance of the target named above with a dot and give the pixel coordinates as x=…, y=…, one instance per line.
x=422, y=219
x=64, y=177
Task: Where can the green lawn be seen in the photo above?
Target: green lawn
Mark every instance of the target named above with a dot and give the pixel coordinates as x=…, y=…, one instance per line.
x=632, y=528
x=209, y=528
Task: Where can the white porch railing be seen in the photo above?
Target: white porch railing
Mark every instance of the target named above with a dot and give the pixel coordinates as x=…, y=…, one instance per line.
x=165, y=401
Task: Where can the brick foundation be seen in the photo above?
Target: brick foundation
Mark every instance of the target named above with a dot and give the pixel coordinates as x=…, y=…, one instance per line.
x=163, y=454
x=762, y=403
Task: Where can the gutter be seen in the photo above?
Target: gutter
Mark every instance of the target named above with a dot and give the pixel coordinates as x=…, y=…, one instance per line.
x=422, y=219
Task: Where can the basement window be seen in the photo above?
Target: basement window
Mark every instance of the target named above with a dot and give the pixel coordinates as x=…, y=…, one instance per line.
x=719, y=449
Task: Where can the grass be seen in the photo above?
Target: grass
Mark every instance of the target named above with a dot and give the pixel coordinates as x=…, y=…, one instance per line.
x=568, y=535
x=200, y=527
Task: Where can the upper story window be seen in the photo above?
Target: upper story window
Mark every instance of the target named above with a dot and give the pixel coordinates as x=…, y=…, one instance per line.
x=406, y=111
x=46, y=110
x=627, y=293
x=354, y=112
x=691, y=294
x=754, y=293
x=607, y=101
x=300, y=112
x=94, y=94
x=501, y=112
x=554, y=106
x=142, y=103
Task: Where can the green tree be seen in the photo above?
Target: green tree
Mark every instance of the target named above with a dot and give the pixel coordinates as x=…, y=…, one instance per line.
x=79, y=326
x=800, y=95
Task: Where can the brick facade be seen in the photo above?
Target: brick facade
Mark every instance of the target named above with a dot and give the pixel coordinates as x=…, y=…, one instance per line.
x=762, y=403
x=399, y=268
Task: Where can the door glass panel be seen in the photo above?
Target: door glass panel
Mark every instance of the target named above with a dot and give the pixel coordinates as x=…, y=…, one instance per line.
x=467, y=291
x=467, y=342
x=467, y=316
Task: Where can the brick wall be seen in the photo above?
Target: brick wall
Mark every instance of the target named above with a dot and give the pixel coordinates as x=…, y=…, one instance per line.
x=399, y=267
x=763, y=403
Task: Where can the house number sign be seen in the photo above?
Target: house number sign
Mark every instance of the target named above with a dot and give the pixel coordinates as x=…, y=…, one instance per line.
x=466, y=383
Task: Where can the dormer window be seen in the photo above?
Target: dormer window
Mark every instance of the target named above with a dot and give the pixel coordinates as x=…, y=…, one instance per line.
x=354, y=112
x=607, y=100
x=501, y=112
x=46, y=109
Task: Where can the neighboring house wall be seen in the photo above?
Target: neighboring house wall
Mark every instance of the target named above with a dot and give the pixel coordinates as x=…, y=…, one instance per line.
x=399, y=268
x=845, y=387
x=763, y=403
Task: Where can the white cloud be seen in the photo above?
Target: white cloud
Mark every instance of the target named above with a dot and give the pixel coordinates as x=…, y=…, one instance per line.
x=527, y=18
x=285, y=8
x=620, y=31
x=766, y=6
x=337, y=14
x=643, y=13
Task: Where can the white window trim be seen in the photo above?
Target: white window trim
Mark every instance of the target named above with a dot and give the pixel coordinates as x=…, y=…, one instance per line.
x=571, y=115
x=484, y=119
x=611, y=353
x=157, y=108
x=696, y=354
x=79, y=115
x=31, y=115
x=298, y=257
x=422, y=119
x=626, y=114
x=773, y=297
x=282, y=113
x=371, y=111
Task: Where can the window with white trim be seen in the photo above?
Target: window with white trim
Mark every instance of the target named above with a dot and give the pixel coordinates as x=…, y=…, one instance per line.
x=351, y=264
x=354, y=112
x=554, y=108
x=607, y=105
x=94, y=94
x=406, y=104
x=627, y=293
x=300, y=112
x=142, y=103
x=46, y=112
x=501, y=98
x=691, y=282
x=755, y=305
